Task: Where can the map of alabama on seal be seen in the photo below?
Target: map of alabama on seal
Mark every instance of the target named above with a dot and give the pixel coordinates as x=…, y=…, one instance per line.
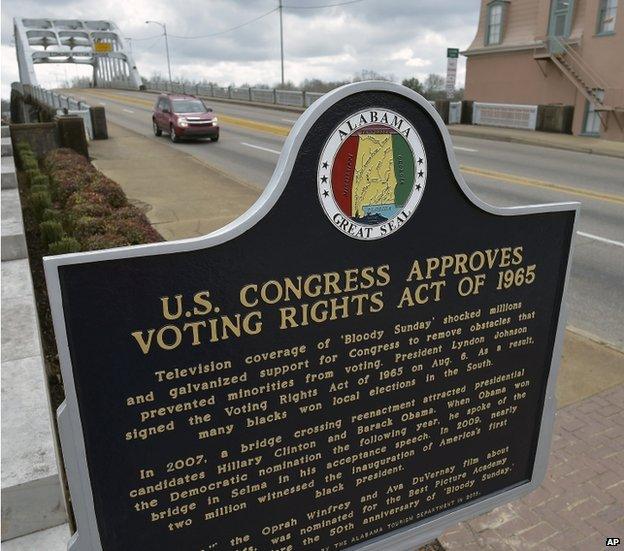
x=373, y=174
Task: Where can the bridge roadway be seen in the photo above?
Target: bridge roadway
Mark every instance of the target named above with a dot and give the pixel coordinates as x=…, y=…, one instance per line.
x=500, y=173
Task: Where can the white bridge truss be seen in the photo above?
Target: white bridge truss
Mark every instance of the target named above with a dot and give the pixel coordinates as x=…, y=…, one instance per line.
x=96, y=43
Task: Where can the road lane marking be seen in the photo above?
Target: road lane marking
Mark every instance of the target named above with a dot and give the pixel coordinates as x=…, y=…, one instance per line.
x=128, y=110
x=533, y=182
x=245, y=123
x=601, y=239
x=465, y=149
x=261, y=148
x=289, y=120
x=501, y=176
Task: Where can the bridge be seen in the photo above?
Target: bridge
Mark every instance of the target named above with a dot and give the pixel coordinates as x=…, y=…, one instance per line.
x=96, y=43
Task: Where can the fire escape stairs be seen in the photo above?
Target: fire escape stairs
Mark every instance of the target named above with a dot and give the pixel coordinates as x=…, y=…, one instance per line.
x=588, y=90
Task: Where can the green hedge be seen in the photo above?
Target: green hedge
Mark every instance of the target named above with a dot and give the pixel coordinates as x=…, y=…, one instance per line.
x=77, y=208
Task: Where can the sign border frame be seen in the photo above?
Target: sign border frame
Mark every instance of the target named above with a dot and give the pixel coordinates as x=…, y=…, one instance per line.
x=86, y=537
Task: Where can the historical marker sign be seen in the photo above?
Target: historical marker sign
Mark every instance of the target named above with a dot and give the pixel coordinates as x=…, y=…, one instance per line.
x=364, y=358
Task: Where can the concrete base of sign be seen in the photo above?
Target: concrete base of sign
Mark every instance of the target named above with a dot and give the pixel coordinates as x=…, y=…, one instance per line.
x=31, y=491
x=52, y=539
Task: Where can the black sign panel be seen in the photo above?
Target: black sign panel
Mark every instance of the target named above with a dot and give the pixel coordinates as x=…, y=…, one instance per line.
x=370, y=347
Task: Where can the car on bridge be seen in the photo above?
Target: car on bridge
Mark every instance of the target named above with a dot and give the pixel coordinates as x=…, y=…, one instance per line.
x=184, y=116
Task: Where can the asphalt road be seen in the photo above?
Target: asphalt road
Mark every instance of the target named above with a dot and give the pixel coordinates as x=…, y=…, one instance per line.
x=500, y=173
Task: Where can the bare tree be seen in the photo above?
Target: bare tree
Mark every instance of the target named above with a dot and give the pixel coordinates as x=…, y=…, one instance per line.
x=369, y=74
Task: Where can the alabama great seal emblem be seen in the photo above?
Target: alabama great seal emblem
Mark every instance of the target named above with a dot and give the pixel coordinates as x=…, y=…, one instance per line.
x=372, y=174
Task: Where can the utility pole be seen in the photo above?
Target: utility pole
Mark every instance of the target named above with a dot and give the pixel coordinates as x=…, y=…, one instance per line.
x=167, y=48
x=281, y=9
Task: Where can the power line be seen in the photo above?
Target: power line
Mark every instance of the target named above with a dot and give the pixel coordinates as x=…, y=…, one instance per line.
x=226, y=30
x=258, y=18
x=145, y=37
x=158, y=39
x=319, y=6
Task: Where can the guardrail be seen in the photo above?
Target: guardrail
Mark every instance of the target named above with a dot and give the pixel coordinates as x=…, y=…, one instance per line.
x=274, y=96
x=506, y=115
x=63, y=104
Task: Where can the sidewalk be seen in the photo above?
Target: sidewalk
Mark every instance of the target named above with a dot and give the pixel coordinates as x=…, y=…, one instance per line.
x=152, y=174
x=582, y=144
x=581, y=502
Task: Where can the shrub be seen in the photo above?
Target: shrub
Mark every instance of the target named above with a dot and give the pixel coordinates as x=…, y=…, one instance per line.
x=30, y=163
x=105, y=241
x=51, y=214
x=38, y=188
x=87, y=226
x=85, y=197
x=68, y=181
x=133, y=231
x=109, y=190
x=91, y=208
x=26, y=154
x=64, y=246
x=39, y=202
x=51, y=231
x=31, y=173
x=40, y=179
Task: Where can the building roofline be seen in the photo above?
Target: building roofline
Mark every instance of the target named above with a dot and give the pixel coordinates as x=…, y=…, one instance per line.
x=503, y=49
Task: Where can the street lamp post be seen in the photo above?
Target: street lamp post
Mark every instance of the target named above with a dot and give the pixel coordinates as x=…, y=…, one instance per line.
x=281, y=9
x=167, y=48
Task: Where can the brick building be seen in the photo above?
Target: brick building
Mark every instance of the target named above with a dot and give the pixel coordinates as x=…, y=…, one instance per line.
x=552, y=52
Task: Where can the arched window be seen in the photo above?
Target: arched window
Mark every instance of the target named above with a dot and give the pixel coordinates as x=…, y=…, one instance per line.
x=496, y=20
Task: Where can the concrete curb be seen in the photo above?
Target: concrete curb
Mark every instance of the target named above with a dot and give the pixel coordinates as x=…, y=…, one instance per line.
x=595, y=338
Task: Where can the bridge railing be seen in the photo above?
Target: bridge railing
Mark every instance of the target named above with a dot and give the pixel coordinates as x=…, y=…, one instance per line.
x=274, y=96
x=61, y=103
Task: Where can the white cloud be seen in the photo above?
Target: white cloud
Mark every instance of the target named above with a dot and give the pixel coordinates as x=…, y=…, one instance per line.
x=403, y=38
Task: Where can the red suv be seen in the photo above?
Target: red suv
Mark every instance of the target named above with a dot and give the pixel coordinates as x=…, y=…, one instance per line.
x=184, y=116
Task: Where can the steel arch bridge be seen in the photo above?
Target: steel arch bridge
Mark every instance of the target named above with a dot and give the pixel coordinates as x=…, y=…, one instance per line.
x=96, y=43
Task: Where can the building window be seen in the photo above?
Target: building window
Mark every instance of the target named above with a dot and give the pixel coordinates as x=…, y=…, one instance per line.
x=495, y=24
x=561, y=12
x=606, y=16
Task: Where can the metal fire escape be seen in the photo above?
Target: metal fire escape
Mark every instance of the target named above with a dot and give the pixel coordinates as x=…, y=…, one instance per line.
x=580, y=73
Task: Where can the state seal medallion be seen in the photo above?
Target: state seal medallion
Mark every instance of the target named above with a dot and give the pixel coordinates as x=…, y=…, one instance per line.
x=372, y=174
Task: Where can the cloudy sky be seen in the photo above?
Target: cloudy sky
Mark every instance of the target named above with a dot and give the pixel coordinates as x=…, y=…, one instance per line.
x=402, y=38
